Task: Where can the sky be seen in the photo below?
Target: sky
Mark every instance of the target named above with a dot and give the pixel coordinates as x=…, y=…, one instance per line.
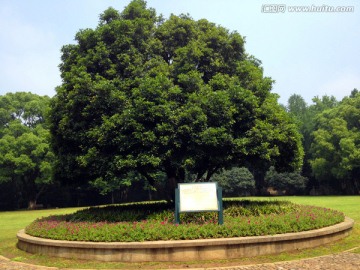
x=307, y=53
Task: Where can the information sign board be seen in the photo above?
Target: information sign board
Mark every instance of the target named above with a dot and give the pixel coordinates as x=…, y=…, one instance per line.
x=198, y=197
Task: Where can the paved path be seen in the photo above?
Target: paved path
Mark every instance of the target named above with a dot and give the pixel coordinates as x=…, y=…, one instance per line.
x=341, y=261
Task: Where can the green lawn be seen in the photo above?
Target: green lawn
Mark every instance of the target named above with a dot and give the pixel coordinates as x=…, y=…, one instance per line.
x=12, y=222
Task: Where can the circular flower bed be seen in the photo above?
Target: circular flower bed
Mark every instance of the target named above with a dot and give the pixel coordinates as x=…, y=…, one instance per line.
x=155, y=221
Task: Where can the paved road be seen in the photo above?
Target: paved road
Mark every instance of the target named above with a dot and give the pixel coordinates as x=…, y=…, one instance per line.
x=341, y=261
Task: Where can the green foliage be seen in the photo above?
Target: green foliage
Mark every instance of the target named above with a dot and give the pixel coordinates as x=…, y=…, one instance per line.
x=143, y=94
x=305, y=115
x=276, y=138
x=335, y=151
x=269, y=219
x=236, y=181
x=291, y=182
x=25, y=154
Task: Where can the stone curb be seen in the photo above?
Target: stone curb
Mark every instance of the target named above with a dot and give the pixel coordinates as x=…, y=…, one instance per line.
x=278, y=265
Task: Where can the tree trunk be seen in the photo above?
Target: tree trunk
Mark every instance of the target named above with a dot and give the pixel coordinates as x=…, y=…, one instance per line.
x=259, y=177
x=172, y=174
x=171, y=186
x=210, y=173
x=32, y=190
x=32, y=204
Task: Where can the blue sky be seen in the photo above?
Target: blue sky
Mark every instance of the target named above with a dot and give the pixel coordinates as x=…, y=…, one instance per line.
x=307, y=53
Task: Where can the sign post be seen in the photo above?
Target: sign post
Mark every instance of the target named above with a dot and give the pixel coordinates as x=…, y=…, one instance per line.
x=198, y=197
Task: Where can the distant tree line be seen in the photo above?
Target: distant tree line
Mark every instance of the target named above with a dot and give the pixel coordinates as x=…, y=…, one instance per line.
x=330, y=136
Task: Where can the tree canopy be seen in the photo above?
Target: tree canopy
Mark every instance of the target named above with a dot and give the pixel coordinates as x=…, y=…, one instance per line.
x=145, y=94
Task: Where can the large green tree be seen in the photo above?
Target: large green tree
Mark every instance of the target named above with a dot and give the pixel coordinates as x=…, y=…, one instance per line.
x=25, y=153
x=145, y=94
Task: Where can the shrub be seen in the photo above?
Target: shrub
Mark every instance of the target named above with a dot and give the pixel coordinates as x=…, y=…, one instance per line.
x=236, y=181
x=290, y=182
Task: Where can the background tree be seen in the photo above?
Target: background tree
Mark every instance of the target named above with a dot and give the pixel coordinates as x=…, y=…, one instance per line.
x=145, y=94
x=305, y=117
x=354, y=92
x=25, y=154
x=235, y=181
x=335, y=151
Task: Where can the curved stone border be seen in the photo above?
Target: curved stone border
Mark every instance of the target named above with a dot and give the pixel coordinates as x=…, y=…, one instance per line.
x=185, y=250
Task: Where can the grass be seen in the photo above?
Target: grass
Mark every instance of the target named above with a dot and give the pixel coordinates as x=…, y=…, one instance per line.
x=12, y=222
